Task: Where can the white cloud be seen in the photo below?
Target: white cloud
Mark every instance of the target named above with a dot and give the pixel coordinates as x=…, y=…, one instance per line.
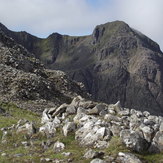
x=144, y=15
x=78, y=17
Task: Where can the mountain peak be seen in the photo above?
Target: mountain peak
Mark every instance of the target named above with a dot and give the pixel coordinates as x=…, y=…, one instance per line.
x=114, y=63
x=119, y=31
x=109, y=29
x=114, y=24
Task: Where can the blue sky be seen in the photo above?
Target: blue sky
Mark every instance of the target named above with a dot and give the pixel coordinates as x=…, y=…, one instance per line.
x=97, y=3
x=79, y=17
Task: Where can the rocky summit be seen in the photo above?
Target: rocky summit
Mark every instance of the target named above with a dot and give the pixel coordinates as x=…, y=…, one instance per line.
x=115, y=63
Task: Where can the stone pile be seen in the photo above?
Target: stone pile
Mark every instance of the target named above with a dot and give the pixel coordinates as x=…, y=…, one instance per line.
x=95, y=124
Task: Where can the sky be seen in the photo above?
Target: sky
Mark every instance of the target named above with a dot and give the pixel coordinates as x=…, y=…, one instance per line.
x=79, y=17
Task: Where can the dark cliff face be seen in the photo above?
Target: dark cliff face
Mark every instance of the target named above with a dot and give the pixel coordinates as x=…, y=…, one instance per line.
x=114, y=63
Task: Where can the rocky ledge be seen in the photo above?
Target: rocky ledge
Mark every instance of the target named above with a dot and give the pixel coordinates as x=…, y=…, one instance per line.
x=94, y=126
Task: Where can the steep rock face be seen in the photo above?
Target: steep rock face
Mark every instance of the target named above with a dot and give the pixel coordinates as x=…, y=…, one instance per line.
x=25, y=81
x=114, y=63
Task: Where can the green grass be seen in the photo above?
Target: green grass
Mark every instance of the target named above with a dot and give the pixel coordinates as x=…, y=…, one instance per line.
x=72, y=146
x=16, y=114
x=116, y=146
x=13, y=145
x=152, y=158
x=34, y=152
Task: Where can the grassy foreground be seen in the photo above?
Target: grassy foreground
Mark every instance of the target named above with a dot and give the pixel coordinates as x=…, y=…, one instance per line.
x=15, y=151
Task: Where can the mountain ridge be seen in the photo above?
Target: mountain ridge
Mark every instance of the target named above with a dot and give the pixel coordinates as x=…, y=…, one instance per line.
x=114, y=63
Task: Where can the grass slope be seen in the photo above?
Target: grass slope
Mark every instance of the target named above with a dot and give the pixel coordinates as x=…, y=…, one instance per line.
x=17, y=152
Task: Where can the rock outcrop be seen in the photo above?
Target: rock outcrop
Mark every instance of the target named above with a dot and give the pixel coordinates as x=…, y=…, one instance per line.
x=25, y=81
x=139, y=131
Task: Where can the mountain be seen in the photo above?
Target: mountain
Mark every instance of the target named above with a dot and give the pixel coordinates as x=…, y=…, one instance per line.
x=115, y=59
x=115, y=63
x=24, y=80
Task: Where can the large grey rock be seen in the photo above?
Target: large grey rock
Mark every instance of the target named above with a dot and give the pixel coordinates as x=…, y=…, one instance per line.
x=134, y=141
x=60, y=110
x=116, y=107
x=56, y=121
x=87, y=104
x=101, y=144
x=110, y=117
x=103, y=113
x=67, y=154
x=128, y=158
x=146, y=113
x=93, y=154
x=81, y=110
x=147, y=132
x=92, y=130
x=135, y=122
x=94, y=136
x=157, y=143
x=161, y=127
x=83, y=119
x=149, y=122
x=97, y=109
x=4, y=154
x=49, y=128
x=52, y=110
x=88, y=136
x=139, y=114
x=46, y=117
x=58, y=146
x=153, y=148
x=116, y=129
x=125, y=121
x=76, y=100
x=71, y=109
x=69, y=128
x=153, y=118
x=25, y=127
x=45, y=160
x=81, y=102
x=97, y=160
x=125, y=112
